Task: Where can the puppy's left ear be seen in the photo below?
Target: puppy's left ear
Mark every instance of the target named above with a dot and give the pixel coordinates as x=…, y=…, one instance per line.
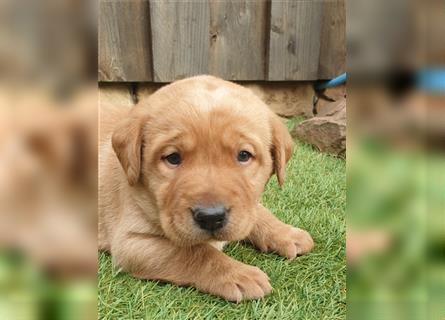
x=282, y=146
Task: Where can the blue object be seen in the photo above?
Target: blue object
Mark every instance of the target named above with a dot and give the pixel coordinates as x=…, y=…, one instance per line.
x=428, y=79
x=431, y=80
x=331, y=83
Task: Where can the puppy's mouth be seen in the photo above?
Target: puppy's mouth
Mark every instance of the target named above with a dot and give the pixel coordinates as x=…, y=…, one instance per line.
x=201, y=224
x=219, y=235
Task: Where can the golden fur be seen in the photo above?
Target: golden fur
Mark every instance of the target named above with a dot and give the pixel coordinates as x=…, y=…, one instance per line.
x=145, y=220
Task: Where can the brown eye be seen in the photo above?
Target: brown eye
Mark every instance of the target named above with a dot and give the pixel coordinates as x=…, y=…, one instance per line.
x=173, y=159
x=244, y=156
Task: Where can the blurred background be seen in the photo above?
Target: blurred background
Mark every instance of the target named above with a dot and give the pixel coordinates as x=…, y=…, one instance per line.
x=48, y=159
x=395, y=158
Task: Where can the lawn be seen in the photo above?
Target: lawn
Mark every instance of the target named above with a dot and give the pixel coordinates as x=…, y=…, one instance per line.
x=309, y=287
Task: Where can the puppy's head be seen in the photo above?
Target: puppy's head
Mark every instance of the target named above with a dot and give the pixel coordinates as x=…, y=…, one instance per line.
x=203, y=149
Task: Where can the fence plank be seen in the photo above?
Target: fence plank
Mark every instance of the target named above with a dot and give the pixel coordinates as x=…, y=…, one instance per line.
x=124, y=41
x=238, y=39
x=180, y=32
x=234, y=39
x=333, y=40
x=294, y=40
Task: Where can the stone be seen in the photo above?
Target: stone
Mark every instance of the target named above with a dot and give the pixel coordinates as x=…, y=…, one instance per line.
x=327, y=132
x=332, y=108
x=329, y=95
x=286, y=99
x=118, y=94
x=335, y=93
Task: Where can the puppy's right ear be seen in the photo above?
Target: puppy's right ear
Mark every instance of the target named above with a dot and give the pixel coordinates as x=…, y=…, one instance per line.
x=127, y=144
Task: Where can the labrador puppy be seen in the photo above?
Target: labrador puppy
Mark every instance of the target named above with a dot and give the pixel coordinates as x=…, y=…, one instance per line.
x=181, y=173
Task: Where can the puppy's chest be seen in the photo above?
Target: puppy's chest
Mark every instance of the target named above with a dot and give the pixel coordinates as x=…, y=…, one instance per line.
x=218, y=244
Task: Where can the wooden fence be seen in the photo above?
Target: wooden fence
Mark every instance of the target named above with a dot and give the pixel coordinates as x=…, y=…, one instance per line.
x=277, y=40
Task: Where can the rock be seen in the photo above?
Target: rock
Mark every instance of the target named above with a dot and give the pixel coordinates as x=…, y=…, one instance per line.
x=332, y=108
x=115, y=94
x=335, y=93
x=286, y=99
x=329, y=95
x=148, y=88
x=327, y=132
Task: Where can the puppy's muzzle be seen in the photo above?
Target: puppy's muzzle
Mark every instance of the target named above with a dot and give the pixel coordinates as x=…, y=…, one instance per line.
x=210, y=218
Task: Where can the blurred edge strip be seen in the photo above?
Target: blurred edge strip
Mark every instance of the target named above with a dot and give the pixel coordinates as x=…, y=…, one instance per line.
x=431, y=80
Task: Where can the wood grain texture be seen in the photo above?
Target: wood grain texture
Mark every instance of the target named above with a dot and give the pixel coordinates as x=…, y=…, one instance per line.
x=294, y=46
x=239, y=39
x=180, y=33
x=124, y=40
x=333, y=40
x=278, y=40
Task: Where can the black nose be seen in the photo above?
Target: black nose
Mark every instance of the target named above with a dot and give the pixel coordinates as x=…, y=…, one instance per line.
x=210, y=218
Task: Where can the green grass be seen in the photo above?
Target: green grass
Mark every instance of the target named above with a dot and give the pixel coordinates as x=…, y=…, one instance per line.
x=309, y=287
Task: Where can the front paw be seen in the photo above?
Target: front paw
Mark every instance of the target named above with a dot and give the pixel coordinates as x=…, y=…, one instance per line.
x=289, y=242
x=239, y=282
